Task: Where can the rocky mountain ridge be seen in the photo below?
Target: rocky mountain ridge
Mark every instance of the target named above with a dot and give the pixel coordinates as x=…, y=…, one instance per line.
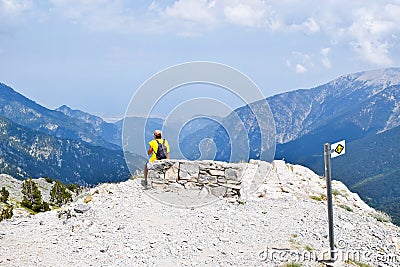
x=285, y=222
x=29, y=153
x=354, y=107
x=110, y=132
x=65, y=144
x=368, y=99
x=28, y=113
x=350, y=107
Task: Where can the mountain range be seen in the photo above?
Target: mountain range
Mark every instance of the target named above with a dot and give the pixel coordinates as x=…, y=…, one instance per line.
x=28, y=113
x=28, y=153
x=351, y=107
x=362, y=108
x=65, y=144
x=368, y=102
x=109, y=132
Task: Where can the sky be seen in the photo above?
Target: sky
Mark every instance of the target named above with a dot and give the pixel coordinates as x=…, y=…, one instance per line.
x=93, y=55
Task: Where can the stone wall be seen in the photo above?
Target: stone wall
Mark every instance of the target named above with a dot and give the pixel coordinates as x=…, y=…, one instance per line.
x=220, y=179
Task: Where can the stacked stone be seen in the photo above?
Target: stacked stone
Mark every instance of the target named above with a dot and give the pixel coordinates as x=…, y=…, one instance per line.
x=161, y=173
x=218, y=178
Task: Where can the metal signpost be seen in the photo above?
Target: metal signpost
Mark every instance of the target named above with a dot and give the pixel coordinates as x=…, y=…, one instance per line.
x=331, y=151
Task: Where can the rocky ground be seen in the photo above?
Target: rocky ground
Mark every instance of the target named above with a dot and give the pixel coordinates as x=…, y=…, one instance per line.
x=122, y=225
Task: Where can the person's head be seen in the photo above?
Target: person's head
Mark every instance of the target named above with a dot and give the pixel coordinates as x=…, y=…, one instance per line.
x=157, y=134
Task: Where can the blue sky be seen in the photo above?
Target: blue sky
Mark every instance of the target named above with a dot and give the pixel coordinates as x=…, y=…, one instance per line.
x=93, y=55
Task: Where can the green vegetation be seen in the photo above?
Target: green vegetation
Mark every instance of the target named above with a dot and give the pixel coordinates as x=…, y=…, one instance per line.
x=290, y=167
x=241, y=202
x=59, y=195
x=371, y=169
x=48, y=179
x=4, y=195
x=346, y=208
x=74, y=188
x=336, y=192
x=6, y=212
x=356, y=263
x=381, y=217
x=295, y=244
x=32, y=197
x=88, y=199
x=292, y=264
x=318, y=198
x=309, y=248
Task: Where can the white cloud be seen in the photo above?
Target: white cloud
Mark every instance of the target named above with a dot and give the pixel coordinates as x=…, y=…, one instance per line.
x=311, y=25
x=373, y=51
x=212, y=13
x=293, y=16
x=200, y=11
x=154, y=6
x=246, y=13
x=303, y=62
x=13, y=14
x=371, y=34
x=325, y=60
x=97, y=15
x=368, y=28
x=14, y=7
x=308, y=26
x=300, y=68
x=303, y=58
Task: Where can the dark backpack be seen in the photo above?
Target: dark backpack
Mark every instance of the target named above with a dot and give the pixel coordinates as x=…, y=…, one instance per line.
x=162, y=150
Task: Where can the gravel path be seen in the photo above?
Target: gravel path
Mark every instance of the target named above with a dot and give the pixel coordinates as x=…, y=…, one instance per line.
x=125, y=227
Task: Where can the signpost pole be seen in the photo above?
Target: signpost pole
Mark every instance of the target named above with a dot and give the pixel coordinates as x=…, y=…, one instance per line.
x=327, y=159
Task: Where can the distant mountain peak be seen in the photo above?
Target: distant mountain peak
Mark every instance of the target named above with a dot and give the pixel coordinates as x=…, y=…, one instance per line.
x=387, y=76
x=68, y=111
x=108, y=131
x=380, y=78
x=64, y=107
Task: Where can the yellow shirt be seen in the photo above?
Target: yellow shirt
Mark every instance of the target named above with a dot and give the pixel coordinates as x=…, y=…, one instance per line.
x=154, y=145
